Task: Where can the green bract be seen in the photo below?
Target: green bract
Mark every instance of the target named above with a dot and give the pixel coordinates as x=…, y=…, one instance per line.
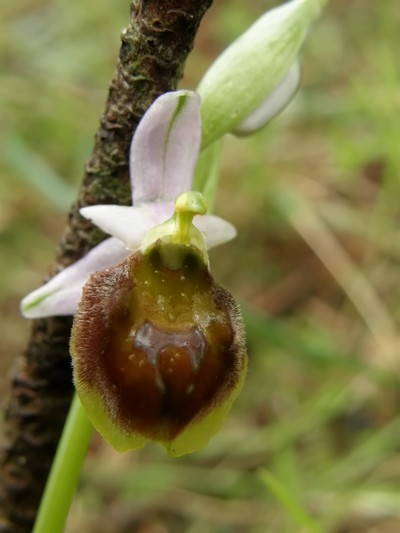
x=253, y=66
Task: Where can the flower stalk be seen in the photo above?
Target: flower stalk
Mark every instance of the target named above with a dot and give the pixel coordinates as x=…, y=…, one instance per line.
x=65, y=472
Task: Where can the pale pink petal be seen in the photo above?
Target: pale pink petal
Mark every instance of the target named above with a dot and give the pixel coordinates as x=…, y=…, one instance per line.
x=61, y=295
x=163, y=210
x=128, y=224
x=273, y=104
x=165, y=148
x=217, y=230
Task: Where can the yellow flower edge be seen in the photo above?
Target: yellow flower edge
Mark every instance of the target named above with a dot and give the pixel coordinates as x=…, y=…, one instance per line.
x=193, y=438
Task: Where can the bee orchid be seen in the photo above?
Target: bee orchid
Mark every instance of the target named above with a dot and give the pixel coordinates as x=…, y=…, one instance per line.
x=157, y=346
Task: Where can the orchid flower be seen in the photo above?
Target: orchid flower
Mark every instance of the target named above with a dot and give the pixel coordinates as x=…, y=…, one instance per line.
x=163, y=156
x=157, y=346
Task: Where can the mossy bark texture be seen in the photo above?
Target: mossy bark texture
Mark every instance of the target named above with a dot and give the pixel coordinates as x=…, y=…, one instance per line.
x=153, y=52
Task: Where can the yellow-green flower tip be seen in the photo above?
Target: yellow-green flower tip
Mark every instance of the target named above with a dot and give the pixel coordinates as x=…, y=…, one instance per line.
x=158, y=352
x=191, y=202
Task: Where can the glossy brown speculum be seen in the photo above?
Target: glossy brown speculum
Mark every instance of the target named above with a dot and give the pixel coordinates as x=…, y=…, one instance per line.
x=156, y=344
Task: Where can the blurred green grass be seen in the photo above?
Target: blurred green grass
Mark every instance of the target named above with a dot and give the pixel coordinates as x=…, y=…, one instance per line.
x=313, y=442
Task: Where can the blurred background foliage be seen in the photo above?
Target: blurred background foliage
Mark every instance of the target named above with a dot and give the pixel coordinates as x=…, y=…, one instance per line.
x=313, y=443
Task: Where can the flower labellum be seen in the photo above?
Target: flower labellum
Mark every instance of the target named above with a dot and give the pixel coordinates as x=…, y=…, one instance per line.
x=157, y=346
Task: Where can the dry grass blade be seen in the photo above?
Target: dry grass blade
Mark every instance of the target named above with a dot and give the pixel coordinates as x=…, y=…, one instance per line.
x=310, y=226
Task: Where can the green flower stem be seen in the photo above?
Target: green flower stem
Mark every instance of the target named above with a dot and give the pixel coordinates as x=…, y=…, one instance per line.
x=65, y=471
